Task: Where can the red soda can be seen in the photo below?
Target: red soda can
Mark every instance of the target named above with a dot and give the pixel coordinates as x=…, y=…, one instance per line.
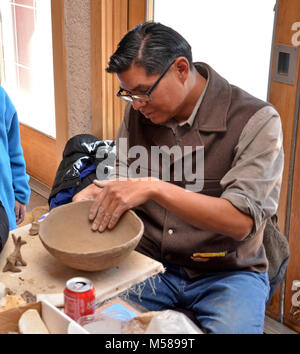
x=79, y=298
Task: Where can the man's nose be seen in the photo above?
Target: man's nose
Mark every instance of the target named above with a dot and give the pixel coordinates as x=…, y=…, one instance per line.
x=138, y=104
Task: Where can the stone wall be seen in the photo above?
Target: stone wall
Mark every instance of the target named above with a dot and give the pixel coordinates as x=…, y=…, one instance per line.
x=77, y=39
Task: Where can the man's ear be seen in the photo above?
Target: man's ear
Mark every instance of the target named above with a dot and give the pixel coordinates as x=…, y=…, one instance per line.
x=182, y=68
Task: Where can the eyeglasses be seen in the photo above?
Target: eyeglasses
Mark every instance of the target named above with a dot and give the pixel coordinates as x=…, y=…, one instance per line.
x=145, y=96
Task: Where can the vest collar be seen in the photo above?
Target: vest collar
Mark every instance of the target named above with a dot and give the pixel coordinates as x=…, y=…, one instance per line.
x=212, y=114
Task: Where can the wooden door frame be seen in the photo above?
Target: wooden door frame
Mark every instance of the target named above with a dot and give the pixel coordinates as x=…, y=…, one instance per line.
x=284, y=98
x=110, y=20
x=60, y=75
x=40, y=154
x=43, y=153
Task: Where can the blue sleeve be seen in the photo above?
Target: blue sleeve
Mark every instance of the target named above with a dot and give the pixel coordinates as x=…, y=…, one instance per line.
x=18, y=168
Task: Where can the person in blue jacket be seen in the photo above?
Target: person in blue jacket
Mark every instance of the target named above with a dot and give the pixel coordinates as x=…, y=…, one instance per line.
x=14, y=187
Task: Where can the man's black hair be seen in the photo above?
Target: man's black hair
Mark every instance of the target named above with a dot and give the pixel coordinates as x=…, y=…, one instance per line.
x=151, y=45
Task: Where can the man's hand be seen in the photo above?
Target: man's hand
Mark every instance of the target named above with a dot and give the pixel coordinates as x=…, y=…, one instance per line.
x=91, y=192
x=118, y=196
x=20, y=210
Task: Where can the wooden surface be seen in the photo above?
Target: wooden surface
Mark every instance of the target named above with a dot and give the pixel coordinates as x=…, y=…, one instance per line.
x=136, y=12
x=110, y=20
x=274, y=327
x=96, y=69
x=39, y=153
x=45, y=277
x=283, y=97
x=150, y=11
x=293, y=272
x=60, y=75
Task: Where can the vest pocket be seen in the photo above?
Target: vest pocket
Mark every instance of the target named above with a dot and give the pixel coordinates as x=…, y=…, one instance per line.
x=224, y=257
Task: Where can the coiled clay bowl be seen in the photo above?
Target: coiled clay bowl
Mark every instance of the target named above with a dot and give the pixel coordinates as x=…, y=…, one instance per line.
x=66, y=233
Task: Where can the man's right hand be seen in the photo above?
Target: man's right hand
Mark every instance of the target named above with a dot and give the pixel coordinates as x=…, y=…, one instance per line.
x=89, y=193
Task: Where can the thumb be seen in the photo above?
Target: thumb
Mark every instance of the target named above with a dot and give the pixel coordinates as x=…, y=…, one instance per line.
x=100, y=184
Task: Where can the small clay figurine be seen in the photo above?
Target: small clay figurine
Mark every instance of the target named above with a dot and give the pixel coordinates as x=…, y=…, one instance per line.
x=35, y=228
x=15, y=257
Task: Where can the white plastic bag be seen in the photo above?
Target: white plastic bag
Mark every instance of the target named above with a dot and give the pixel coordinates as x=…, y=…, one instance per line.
x=172, y=322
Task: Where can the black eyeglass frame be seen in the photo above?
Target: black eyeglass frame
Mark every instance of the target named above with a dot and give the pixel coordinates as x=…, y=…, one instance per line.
x=137, y=97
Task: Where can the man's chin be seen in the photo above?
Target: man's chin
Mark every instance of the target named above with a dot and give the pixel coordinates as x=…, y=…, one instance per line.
x=158, y=119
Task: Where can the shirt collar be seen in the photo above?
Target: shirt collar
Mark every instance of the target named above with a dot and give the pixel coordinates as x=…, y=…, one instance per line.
x=212, y=114
x=191, y=118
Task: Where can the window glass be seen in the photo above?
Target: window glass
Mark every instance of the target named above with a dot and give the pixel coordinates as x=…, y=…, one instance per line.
x=27, y=72
x=232, y=36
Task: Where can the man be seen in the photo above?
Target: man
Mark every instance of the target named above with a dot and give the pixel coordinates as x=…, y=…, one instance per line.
x=209, y=240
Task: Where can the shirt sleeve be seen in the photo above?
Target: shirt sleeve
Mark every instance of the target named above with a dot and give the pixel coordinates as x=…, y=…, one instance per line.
x=253, y=183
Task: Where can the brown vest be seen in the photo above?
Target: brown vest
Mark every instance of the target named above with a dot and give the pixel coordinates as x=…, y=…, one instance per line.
x=223, y=113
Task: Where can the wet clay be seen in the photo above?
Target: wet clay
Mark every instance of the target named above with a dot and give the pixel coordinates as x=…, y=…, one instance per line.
x=15, y=257
x=66, y=233
x=35, y=228
x=28, y=297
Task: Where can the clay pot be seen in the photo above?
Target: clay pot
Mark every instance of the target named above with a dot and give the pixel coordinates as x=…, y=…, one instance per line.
x=66, y=233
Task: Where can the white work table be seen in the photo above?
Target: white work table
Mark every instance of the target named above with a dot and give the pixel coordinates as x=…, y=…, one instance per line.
x=45, y=277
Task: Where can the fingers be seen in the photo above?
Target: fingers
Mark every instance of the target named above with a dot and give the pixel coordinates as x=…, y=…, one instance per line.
x=115, y=217
x=100, y=184
x=110, y=217
x=115, y=199
x=99, y=194
x=88, y=193
x=19, y=212
x=22, y=213
x=106, y=210
x=97, y=207
x=107, y=216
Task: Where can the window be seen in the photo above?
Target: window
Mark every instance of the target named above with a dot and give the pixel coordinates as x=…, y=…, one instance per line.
x=27, y=62
x=232, y=36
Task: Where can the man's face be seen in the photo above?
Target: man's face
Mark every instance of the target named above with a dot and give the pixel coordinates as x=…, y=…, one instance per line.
x=166, y=98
